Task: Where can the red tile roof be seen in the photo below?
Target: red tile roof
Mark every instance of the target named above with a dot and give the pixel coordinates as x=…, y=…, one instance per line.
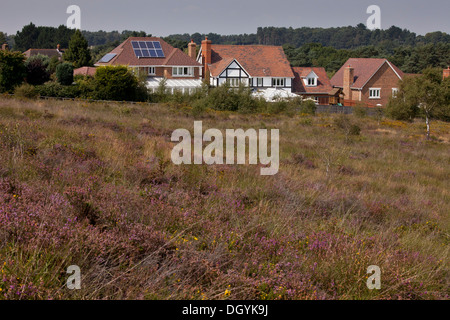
x=173, y=56
x=323, y=83
x=364, y=70
x=257, y=60
x=85, y=71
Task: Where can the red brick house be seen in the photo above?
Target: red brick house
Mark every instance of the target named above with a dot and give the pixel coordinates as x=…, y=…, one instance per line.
x=313, y=83
x=368, y=81
x=156, y=59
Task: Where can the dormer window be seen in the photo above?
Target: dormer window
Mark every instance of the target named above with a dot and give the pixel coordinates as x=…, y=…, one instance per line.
x=311, y=79
x=312, y=82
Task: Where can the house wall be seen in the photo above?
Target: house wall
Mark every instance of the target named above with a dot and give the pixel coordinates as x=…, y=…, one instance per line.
x=167, y=72
x=385, y=79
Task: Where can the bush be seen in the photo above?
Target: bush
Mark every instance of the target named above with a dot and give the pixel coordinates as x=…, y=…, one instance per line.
x=308, y=107
x=226, y=98
x=12, y=70
x=26, y=91
x=57, y=90
x=344, y=123
x=64, y=73
x=397, y=109
x=85, y=85
x=118, y=83
x=53, y=63
x=37, y=70
x=360, y=111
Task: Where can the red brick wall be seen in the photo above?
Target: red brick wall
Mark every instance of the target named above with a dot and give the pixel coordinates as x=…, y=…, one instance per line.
x=385, y=79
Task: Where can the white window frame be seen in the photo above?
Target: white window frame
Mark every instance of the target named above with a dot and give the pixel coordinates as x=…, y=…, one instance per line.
x=311, y=82
x=234, y=82
x=259, y=82
x=278, y=82
x=374, y=93
x=183, y=71
x=151, y=71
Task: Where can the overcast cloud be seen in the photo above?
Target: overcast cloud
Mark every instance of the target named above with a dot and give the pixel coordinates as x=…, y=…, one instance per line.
x=165, y=17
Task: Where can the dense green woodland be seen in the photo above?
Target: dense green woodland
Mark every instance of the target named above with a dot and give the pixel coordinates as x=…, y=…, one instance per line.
x=321, y=47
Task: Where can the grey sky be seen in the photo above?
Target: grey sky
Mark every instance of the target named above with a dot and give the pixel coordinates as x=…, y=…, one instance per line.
x=165, y=17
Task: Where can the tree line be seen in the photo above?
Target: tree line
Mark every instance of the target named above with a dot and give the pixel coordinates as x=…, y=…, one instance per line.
x=317, y=47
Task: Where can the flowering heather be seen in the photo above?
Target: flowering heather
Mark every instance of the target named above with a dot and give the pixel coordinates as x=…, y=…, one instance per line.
x=93, y=186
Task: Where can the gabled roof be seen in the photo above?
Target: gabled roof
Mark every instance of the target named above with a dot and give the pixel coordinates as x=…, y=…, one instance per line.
x=45, y=52
x=364, y=70
x=172, y=56
x=257, y=60
x=323, y=83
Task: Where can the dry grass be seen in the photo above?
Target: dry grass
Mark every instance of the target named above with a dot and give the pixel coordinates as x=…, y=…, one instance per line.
x=93, y=185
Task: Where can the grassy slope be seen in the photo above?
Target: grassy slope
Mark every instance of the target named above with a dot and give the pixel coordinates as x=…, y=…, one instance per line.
x=93, y=185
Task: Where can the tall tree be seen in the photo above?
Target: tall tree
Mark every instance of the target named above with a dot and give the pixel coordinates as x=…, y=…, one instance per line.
x=427, y=95
x=42, y=37
x=78, y=52
x=26, y=38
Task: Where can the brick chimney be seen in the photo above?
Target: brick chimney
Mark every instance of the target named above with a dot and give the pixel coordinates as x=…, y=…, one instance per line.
x=349, y=75
x=446, y=73
x=206, y=57
x=192, y=50
x=5, y=47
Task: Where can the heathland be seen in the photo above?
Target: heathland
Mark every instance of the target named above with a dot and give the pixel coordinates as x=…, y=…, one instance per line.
x=93, y=185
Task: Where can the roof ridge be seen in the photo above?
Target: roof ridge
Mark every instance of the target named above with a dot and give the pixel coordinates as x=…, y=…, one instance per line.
x=171, y=55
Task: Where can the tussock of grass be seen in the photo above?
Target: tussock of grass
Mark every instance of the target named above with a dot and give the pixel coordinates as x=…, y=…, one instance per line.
x=93, y=185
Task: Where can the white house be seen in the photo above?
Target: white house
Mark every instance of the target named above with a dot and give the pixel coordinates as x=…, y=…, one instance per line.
x=263, y=68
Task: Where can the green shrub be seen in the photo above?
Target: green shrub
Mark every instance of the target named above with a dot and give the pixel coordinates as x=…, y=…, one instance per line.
x=226, y=98
x=397, y=109
x=344, y=123
x=64, y=73
x=118, y=83
x=12, y=70
x=26, y=91
x=85, y=85
x=57, y=90
x=360, y=111
x=308, y=107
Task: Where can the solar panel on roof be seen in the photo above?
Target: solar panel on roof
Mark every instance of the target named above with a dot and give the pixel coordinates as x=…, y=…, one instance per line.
x=108, y=57
x=147, y=49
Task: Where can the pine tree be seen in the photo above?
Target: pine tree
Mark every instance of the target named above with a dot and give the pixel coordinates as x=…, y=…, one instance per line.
x=78, y=52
